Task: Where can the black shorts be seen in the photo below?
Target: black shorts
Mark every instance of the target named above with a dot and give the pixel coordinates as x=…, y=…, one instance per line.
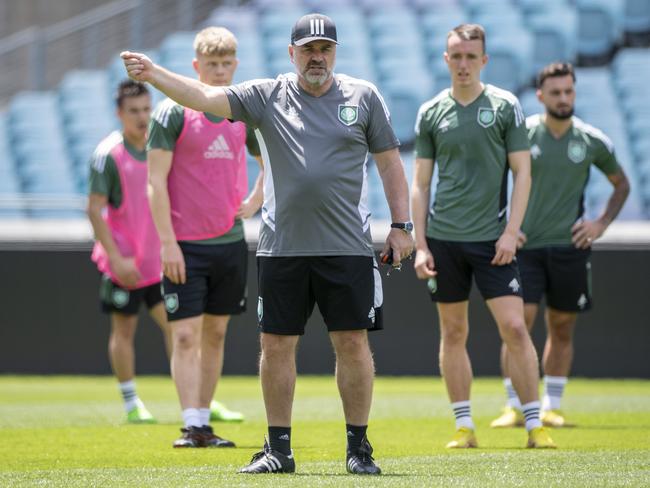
x=562, y=273
x=115, y=299
x=215, y=281
x=347, y=290
x=456, y=262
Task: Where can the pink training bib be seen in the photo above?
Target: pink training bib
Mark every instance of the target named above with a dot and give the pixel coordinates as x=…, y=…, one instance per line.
x=208, y=180
x=131, y=224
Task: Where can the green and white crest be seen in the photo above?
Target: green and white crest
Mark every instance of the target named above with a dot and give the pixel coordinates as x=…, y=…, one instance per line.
x=577, y=151
x=486, y=116
x=260, y=310
x=171, y=302
x=120, y=297
x=348, y=114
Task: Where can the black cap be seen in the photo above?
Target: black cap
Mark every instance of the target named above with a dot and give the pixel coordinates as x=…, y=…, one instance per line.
x=313, y=27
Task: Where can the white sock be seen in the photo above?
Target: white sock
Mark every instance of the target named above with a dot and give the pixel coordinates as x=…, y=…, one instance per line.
x=191, y=417
x=531, y=414
x=553, y=390
x=129, y=395
x=513, y=399
x=204, y=414
x=463, y=413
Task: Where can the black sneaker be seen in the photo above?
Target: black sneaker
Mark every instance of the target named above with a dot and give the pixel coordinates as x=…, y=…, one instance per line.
x=361, y=460
x=192, y=437
x=212, y=440
x=270, y=461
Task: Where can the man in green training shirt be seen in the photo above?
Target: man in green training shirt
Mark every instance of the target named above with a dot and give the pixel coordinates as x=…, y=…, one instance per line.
x=475, y=133
x=554, y=259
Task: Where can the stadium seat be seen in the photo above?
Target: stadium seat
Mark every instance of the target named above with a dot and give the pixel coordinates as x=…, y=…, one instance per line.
x=280, y=21
x=438, y=23
x=636, y=20
x=236, y=19
x=553, y=38
x=599, y=28
x=509, y=63
x=543, y=6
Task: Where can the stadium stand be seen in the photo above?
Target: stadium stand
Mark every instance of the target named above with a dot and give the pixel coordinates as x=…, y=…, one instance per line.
x=396, y=44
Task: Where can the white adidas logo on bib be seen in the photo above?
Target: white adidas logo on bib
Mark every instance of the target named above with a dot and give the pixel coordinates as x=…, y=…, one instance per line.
x=219, y=149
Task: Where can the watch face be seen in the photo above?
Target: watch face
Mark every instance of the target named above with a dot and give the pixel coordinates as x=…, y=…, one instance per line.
x=408, y=226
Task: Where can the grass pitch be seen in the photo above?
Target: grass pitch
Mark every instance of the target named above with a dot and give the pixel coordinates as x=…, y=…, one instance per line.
x=69, y=431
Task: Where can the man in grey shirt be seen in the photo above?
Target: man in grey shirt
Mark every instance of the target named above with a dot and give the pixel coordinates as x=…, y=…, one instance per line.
x=315, y=129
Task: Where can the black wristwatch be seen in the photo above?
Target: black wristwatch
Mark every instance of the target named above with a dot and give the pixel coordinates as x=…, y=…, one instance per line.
x=405, y=226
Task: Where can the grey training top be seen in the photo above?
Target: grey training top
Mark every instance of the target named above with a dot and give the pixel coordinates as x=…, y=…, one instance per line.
x=315, y=152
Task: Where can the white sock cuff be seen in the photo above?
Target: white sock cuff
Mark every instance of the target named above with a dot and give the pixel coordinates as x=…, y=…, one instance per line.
x=530, y=405
x=127, y=385
x=204, y=414
x=556, y=380
x=192, y=417
x=507, y=382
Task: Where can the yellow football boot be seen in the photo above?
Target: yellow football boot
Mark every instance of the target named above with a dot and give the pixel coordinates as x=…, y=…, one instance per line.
x=511, y=417
x=554, y=418
x=539, y=438
x=463, y=439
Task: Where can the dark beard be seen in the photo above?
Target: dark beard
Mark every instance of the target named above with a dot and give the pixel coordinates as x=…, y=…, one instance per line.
x=560, y=116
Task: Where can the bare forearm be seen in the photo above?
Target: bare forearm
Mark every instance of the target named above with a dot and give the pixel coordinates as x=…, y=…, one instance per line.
x=257, y=194
x=103, y=234
x=615, y=202
x=191, y=93
x=420, y=205
x=396, y=190
x=520, y=194
x=161, y=212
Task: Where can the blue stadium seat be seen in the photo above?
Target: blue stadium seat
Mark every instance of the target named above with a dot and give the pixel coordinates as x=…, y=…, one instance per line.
x=280, y=21
x=403, y=104
x=529, y=103
x=476, y=7
x=599, y=27
x=235, y=19
x=395, y=20
x=177, y=47
x=553, y=37
x=543, y=6
x=438, y=23
x=637, y=16
x=509, y=61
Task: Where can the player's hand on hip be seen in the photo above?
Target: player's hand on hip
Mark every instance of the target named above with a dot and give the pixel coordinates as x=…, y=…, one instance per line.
x=173, y=263
x=138, y=66
x=506, y=247
x=585, y=232
x=247, y=209
x=424, y=264
x=401, y=244
x=126, y=271
x=521, y=239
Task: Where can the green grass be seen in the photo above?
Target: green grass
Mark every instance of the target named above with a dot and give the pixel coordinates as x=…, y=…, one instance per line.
x=69, y=431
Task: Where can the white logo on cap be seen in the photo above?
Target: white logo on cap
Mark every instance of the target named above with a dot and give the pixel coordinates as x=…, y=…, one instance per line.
x=317, y=27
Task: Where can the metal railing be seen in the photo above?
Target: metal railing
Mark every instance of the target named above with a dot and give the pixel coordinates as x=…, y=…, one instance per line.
x=37, y=59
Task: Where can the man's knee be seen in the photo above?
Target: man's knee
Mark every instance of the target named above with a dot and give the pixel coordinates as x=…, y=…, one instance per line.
x=277, y=346
x=185, y=336
x=352, y=344
x=454, y=331
x=514, y=330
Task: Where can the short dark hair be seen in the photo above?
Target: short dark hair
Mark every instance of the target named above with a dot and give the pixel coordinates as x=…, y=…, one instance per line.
x=129, y=88
x=469, y=32
x=554, y=70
